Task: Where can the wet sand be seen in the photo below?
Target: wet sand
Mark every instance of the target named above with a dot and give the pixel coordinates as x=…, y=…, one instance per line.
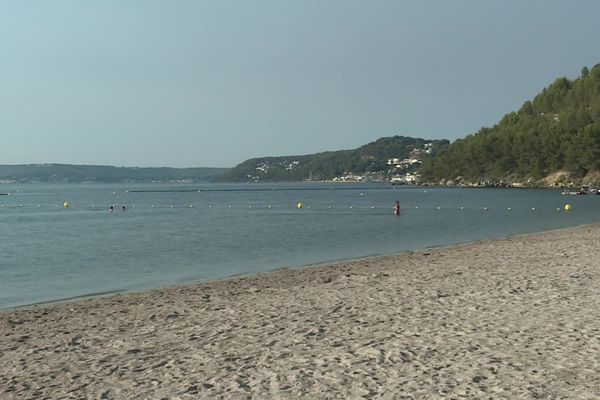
x=517, y=318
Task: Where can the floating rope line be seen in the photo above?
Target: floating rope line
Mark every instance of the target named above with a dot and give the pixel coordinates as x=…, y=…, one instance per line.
x=256, y=190
x=299, y=206
x=164, y=191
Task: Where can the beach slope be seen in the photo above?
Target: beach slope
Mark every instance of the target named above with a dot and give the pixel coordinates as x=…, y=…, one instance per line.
x=517, y=318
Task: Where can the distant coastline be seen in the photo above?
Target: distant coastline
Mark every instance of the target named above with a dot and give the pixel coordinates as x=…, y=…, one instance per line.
x=68, y=173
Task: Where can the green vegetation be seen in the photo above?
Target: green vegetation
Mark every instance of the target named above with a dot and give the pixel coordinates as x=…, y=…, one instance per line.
x=368, y=161
x=100, y=173
x=551, y=140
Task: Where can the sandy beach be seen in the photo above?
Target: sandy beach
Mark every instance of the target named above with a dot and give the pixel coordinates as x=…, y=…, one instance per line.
x=516, y=318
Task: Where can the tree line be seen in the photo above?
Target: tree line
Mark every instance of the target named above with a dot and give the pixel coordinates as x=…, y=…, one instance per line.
x=559, y=130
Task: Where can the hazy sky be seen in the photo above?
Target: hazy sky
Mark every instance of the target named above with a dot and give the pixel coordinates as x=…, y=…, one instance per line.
x=212, y=83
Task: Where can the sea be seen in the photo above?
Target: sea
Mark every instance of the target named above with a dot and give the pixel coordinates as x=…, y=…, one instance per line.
x=63, y=241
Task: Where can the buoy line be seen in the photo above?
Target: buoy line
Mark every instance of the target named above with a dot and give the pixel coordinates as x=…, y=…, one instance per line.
x=299, y=205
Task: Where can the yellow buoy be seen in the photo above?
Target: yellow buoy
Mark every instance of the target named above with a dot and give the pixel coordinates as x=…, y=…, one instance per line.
x=66, y=204
x=300, y=205
x=568, y=207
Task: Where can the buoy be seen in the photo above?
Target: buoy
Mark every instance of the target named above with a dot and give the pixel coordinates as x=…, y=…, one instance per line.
x=508, y=208
x=568, y=207
x=485, y=208
x=66, y=204
x=114, y=193
x=532, y=208
x=462, y=208
x=210, y=206
x=362, y=194
x=191, y=206
x=439, y=208
x=269, y=206
x=300, y=205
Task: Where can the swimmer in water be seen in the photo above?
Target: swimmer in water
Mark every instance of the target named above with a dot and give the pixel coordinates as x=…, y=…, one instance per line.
x=397, y=208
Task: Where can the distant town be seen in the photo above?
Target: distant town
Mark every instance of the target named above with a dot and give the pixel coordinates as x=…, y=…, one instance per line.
x=400, y=171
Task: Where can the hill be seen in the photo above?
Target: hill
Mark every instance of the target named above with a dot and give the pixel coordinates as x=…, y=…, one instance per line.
x=379, y=160
x=552, y=140
x=101, y=173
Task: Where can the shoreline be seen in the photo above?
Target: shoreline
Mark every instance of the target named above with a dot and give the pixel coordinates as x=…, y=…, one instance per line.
x=505, y=318
x=240, y=276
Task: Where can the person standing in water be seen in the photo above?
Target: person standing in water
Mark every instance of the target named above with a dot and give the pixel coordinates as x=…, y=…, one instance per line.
x=397, y=208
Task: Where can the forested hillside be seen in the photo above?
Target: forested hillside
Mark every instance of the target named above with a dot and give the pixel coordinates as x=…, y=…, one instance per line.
x=554, y=138
x=369, y=160
x=103, y=173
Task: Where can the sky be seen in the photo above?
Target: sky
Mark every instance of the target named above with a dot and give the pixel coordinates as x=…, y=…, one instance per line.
x=212, y=83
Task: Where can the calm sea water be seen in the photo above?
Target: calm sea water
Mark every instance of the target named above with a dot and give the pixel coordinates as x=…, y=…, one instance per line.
x=213, y=231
